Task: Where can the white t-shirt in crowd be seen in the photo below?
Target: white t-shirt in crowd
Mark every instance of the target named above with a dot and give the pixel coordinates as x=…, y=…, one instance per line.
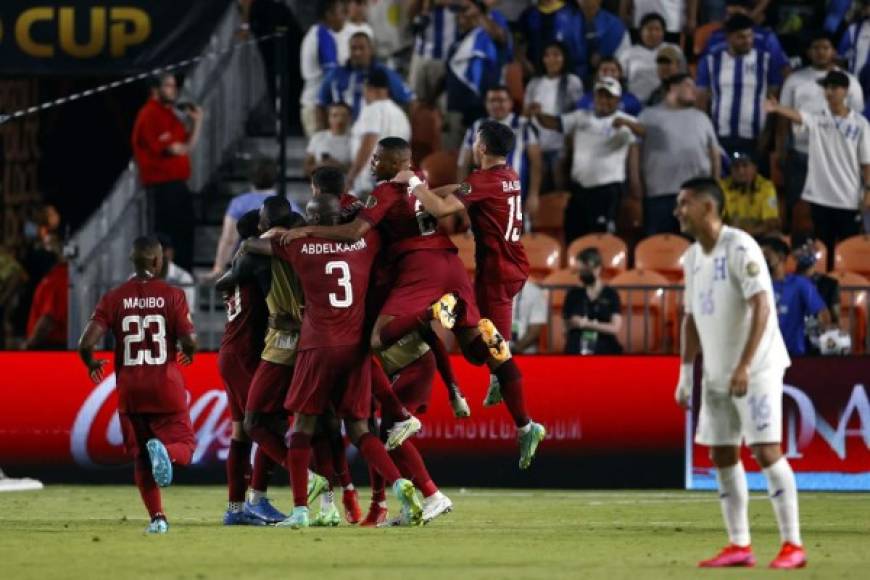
x=530, y=307
x=545, y=90
x=639, y=64
x=383, y=118
x=801, y=91
x=325, y=143
x=718, y=286
x=673, y=11
x=600, y=158
x=343, y=38
x=309, y=60
x=837, y=149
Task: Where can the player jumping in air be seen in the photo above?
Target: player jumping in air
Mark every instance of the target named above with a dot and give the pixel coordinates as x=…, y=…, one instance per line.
x=147, y=319
x=730, y=317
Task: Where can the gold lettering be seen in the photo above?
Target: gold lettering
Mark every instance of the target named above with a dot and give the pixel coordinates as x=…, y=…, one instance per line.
x=22, y=32
x=95, y=43
x=121, y=37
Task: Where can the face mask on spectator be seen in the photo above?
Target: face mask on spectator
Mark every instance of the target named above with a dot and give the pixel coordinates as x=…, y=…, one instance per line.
x=587, y=278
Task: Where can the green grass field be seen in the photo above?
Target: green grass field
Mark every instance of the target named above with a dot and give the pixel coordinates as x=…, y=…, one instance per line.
x=97, y=532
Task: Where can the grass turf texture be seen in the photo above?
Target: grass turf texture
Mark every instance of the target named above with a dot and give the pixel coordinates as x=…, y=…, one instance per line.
x=97, y=532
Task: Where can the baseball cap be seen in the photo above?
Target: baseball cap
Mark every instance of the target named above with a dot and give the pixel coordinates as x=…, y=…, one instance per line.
x=835, y=78
x=671, y=54
x=609, y=84
x=742, y=157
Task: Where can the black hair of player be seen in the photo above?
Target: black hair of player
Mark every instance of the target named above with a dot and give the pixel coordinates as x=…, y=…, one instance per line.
x=653, y=17
x=248, y=224
x=145, y=250
x=264, y=173
x=277, y=211
x=738, y=22
x=778, y=245
x=324, y=6
x=709, y=187
x=392, y=144
x=145, y=244
x=498, y=138
x=591, y=257
x=329, y=180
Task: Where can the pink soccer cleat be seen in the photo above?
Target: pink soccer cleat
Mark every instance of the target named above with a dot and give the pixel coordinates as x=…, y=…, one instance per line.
x=791, y=556
x=731, y=556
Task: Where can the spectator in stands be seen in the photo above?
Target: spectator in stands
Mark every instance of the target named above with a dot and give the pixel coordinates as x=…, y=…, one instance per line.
x=162, y=144
x=601, y=34
x=357, y=21
x=598, y=170
x=525, y=158
x=529, y=318
x=332, y=146
x=435, y=31
x=639, y=61
x=735, y=79
x=796, y=297
x=855, y=43
x=47, y=322
x=174, y=274
x=801, y=91
x=592, y=312
x=346, y=84
x=472, y=69
x=545, y=22
x=679, y=144
x=795, y=21
x=804, y=254
x=609, y=67
x=670, y=61
x=556, y=89
x=498, y=28
x=677, y=16
x=12, y=279
x=39, y=257
x=838, y=175
x=322, y=50
x=380, y=118
x=750, y=199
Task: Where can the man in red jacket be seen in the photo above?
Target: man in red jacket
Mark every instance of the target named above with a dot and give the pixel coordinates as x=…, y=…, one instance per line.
x=161, y=146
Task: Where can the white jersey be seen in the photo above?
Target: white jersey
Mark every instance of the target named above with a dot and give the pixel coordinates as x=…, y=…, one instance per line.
x=718, y=286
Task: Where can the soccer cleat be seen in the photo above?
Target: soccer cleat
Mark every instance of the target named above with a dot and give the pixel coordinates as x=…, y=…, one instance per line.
x=264, y=510
x=298, y=519
x=242, y=518
x=377, y=515
x=402, y=431
x=158, y=525
x=401, y=520
x=730, y=556
x=406, y=493
x=436, y=505
x=498, y=346
x=529, y=442
x=328, y=518
x=446, y=310
x=493, y=393
x=790, y=556
x=161, y=465
x=317, y=484
x=352, y=511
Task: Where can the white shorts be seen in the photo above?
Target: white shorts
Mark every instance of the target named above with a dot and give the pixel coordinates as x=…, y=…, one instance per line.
x=754, y=418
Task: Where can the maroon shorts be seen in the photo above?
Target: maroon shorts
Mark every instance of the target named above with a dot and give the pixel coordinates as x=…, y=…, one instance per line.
x=340, y=376
x=413, y=384
x=496, y=302
x=169, y=428
x=269, y=388
x=423, y=277
x=237, y=371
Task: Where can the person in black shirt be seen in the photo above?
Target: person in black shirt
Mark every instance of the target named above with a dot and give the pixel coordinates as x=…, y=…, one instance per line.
x=828, y=287
x=592, y=312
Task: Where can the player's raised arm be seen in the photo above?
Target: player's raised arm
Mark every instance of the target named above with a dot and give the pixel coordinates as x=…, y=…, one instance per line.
x=92, y=335
x=434, y=204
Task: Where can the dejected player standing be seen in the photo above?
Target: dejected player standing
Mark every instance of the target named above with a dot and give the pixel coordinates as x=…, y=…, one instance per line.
x=147, y=319
x=730, y=317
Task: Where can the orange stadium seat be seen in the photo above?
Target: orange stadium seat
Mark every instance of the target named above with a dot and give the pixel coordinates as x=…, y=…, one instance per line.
x=513, y=80
x=465, y=243
x=555, y=324
x=551, y=213
x=644, y=310
x=440, y=168
x=614, y=252
x=544, y=253
x=821, y=264
x=853, y=255
x=426, y=125
x=662, y=253
x=853, y=308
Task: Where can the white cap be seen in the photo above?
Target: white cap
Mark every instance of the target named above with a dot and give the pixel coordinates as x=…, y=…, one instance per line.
x=609, y=84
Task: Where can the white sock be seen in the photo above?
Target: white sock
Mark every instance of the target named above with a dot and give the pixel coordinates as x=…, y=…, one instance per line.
x=783, y=495
x=734, y=499
x=254, y=496
x=349, y=487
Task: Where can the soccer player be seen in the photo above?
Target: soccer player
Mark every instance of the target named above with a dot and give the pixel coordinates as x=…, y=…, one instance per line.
x=147, y=319
x=730, y=317
x=427, y=267
x=334, y=363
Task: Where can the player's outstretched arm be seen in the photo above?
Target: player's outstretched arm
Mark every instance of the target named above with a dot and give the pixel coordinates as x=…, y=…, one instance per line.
x=434, y=204
x=760, y=308
x=690, y=348
x=91, y=336
x=349, y=232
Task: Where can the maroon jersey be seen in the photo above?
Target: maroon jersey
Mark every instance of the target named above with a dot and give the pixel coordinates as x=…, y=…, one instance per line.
x=404, y=223
x=494, y=203
x=146, y=318
x=335, y=280
x=246, y=320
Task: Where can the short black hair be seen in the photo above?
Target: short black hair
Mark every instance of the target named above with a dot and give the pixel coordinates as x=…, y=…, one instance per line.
x=590, y=256
x=709, y=187
x=612, y=60
x=277, y=210
x=378, y=79
x=394, y=144
x=264, y=173
x=498, y=138
x=325, y=6
x=651, y=17
x=498, y=89
x=821, y=35
x=738, y=22
x=365, y=35
x=675, y=80
x=249, y=224
x=144, y=244
x=776, y=244
x=329, y=180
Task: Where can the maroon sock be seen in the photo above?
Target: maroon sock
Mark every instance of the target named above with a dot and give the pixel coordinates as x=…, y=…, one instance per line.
x=270, y=443
x=323, y=458
x=391, y=406
x=379, y=493
x=180, y=453
x=238, y=469
x=476, y=352
x=376, y=455
x=339, y=459
x=261, y=474
x=511, y=382
x=148, y=489
x=442, y=357
x=402, y=325
x=299, y=455
x=411, y=465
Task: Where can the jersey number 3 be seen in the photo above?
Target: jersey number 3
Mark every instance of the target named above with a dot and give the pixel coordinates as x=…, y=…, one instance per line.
x=346, y=299
x=514, y=228
x=134, y=328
